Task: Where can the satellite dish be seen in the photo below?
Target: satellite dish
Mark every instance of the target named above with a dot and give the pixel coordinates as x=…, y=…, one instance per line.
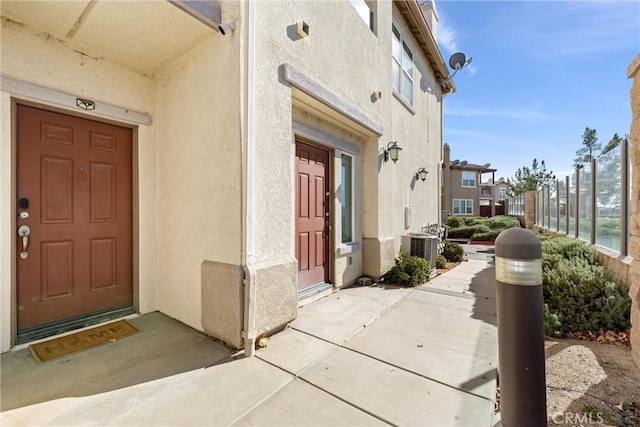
x=457, y=60
x=486, y=165
x=455, y=162
x=464, y=163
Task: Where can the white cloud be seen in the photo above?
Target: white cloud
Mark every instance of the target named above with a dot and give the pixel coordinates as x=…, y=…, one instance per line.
x=447, y=38
x=448, y=41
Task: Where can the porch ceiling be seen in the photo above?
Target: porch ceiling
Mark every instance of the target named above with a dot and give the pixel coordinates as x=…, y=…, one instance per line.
x=142, y=34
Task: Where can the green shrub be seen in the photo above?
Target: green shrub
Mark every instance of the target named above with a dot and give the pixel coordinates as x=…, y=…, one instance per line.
x=579, y=294
x=467, y=231
x=489, y=236
x=502, y=222
x=569, y=249
x=477, y=228
x=473, y=220
x=408, y=271
x=455, y=222
x=441, y=261
x=453, y=252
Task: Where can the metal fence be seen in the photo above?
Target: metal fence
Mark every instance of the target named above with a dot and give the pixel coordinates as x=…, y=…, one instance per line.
x=592, y=204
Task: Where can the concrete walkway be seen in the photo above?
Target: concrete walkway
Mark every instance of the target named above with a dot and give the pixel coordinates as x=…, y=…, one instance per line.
x=373, y=355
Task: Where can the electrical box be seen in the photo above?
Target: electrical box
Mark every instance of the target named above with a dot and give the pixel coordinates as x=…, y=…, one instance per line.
x=407, y=217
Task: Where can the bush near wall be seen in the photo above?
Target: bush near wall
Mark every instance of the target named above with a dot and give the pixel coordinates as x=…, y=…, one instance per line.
x=453, y=252
x=579, y=294
x=409, y=271
x=479, y=228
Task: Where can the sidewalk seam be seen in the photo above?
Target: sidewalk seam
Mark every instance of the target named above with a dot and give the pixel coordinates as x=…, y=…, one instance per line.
x=298, y=377
x=379, y=360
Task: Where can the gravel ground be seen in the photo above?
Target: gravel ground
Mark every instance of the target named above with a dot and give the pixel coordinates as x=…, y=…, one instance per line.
x=594, y=376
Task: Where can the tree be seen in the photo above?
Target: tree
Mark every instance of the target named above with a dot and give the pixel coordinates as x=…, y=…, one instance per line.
x=531, y=178
x=609, y=171
x=613, y=143
x=590, y=147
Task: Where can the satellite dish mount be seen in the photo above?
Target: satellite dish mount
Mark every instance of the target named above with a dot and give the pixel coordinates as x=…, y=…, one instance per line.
x=458, y=61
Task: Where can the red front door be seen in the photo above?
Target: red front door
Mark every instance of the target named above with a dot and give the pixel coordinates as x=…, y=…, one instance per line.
x=74, y=195
x=312, y=215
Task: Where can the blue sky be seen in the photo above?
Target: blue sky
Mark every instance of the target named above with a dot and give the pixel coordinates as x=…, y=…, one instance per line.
x=542, y=71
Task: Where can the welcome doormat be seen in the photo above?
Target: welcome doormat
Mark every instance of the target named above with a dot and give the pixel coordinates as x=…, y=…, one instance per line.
x=63, y=346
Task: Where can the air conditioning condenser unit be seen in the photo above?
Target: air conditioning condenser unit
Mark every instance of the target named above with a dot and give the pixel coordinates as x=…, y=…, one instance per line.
x=421, y=245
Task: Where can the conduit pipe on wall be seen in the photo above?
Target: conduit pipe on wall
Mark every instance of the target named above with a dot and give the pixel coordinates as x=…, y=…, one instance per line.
x=248, y=259
x=440, y=177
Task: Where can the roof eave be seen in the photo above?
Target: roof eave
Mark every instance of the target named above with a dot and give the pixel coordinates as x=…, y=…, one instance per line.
x=410, y=10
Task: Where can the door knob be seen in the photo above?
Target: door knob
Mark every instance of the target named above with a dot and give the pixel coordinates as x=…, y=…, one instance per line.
x=24, y=231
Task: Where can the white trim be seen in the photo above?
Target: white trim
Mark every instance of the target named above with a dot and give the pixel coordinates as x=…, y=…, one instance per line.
x=320, y=93
x=453, y=209
x=324, y=139
x=475, y=179
x=30, y=92
x=348, y=248
x=353, y=210
x=249, y=332
x=207, y=12
x=404, y=41
x=404, y=103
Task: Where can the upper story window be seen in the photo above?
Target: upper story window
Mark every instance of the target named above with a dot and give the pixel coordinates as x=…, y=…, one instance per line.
x=468, y=179
x=366, y=10
x=402, y=67
x=502, y=193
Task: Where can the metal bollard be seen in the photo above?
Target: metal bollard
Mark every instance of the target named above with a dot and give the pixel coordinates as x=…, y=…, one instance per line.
x=523, y=398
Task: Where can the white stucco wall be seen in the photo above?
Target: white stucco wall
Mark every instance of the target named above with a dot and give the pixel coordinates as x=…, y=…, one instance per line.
x=199, y=177
x=351, y=62
x=327, y=56
x=420, y=134
x=37, y=58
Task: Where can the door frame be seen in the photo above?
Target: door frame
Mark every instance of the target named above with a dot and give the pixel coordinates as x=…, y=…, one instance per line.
x=297, y=137
x=135, y=192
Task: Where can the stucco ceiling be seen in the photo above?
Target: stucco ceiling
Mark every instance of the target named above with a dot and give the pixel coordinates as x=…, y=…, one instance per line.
x=142, y=34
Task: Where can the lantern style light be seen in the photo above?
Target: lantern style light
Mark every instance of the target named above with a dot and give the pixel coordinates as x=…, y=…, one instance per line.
x=393, y=150
x=422, y=174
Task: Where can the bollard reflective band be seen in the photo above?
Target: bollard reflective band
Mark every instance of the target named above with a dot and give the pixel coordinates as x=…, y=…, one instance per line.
x=524, y=272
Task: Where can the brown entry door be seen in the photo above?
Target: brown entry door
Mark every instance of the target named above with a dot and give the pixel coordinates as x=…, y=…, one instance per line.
x=312, y=215
x=74, y=194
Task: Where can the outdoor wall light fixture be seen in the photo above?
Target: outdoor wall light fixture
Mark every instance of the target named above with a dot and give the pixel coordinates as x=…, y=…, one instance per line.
x=392, y=150
x=226, y=27
x=422, y=174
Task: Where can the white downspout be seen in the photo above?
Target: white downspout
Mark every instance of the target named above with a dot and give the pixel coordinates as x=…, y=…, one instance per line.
x=249, y=327
x=441, y=162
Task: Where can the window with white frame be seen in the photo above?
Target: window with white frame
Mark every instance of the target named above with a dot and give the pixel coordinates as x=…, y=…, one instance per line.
x=502, y=193
x=366, y=10
x=463, y=206
x=346, y=197
x=402, y=67
x=468, y=179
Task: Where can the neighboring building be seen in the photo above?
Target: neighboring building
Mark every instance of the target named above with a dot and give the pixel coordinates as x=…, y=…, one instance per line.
x=467, y=189
x=216, y=164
